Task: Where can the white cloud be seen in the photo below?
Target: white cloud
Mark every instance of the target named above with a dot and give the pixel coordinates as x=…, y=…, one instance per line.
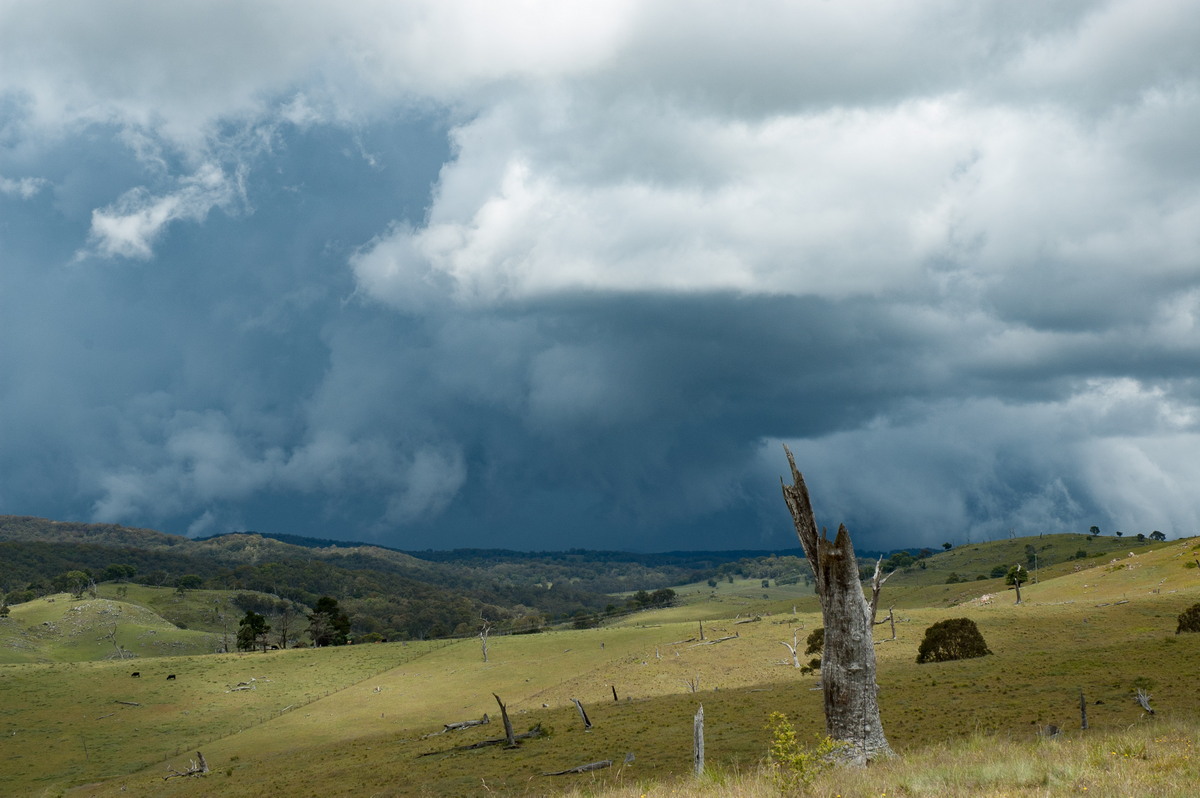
x=23, y=188
x=130, y=227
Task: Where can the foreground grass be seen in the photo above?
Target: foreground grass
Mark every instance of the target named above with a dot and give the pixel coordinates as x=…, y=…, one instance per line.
x=1150, y=759
x=355, y=721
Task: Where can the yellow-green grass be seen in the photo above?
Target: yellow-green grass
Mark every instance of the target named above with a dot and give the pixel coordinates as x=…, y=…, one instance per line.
x=207, y=610
x=1150, y=760
x=365, y=739
x=61, y=628
x=72, y=722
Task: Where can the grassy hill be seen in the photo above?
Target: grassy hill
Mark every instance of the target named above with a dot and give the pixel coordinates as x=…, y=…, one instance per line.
x=358, y=720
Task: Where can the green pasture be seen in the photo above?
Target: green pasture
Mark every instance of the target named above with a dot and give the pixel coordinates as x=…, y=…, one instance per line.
x=357, y=720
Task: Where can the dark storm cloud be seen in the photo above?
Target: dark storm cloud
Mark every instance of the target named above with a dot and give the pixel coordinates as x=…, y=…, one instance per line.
x=445, y=275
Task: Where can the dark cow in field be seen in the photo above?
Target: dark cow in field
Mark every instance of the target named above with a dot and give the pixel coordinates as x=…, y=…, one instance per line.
x=170, y=677
x=136, y=674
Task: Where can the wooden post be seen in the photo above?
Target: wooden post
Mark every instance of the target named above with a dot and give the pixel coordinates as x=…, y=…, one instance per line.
x=587, y=724
x=614, y=689
x=702, y=630
x=698, y=741
x=1082, y=711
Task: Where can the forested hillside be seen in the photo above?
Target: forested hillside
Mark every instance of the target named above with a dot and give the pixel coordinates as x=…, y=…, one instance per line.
x=387, y=594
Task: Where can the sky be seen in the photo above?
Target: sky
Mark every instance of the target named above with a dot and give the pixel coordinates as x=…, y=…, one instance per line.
x=546, y=275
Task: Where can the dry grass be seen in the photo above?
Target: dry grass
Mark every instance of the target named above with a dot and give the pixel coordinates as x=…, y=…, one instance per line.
x=962, y=728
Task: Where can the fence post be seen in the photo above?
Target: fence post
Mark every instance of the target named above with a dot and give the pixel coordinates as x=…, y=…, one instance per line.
x=698, y=744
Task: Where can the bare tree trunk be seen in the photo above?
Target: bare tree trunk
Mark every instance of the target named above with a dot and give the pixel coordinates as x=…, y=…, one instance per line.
x=848, y=662
x=792, y=647
x=483, y=638
x=698, y=742
x=508, y=729
x=876, y=586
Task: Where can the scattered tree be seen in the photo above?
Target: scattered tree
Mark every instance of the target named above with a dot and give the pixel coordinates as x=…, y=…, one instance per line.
x=848, y=662
x=955, y=638
x=947, y=546
x=1156, y=535
x=252, y=632
x=1094, y=531
x=188, y=582
x=1119, y=533
x=328, y=625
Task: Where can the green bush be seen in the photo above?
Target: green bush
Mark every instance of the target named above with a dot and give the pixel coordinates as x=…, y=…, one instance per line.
x=815, y=643
x=1189, y=620
x=794, y=766
x=955, y=638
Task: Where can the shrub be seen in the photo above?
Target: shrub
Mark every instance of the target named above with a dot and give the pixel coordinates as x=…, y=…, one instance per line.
x=815, y=643
x=794, y=766
x=1189, y=620
x=955, y=638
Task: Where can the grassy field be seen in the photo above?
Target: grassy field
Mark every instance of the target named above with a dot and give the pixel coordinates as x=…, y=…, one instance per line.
x=358, y=720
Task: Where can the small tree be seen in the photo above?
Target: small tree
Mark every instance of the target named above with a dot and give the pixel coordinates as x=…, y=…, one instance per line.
x=955, y=638
x=75, y=582
x=1189, y=620
x=1156, y=535
x=328, y=625
x=1094, y=531
x=188, y=582
x=252, y=631
x=947, y=546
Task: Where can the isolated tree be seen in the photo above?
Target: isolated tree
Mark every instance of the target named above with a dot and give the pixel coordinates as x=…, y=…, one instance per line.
x=947, y=546
x=954, y=638
x=75, y=582
x=1017, y=575
x=286, y=620
x=1119, y=533
x=1094, y=531
x=328, y=625
x=188, y=582
x=1156, y=535
x=1189, y=620
x=848, y=661
x=252, y=632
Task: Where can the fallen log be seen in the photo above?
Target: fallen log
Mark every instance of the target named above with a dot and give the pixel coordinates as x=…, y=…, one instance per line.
x=533, y=733
x=605, y=763
x=465, y=724
x=198, y=768
x=129, y=703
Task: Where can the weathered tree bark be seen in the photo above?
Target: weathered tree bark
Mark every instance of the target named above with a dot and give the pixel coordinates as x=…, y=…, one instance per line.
x=698, y=742
x=587, y=723
x=848, y=662
x=508, y=729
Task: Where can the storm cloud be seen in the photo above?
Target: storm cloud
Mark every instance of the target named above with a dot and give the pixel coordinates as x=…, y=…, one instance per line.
x=547, y=275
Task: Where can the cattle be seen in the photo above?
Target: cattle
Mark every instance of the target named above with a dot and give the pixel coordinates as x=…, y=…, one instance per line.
x=136, y=674
x=170, y=677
